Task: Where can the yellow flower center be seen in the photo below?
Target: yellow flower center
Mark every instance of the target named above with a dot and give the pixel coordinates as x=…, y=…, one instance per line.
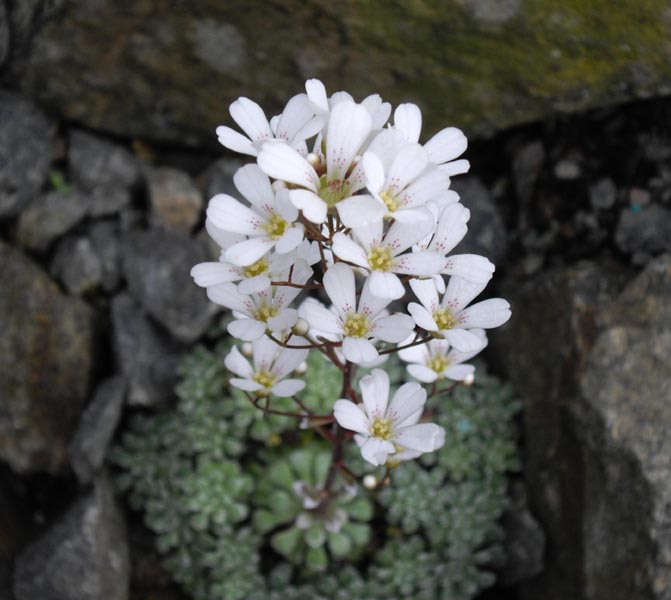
x=389, y=201
x=438, y=363
x=265, y=312
x=257, y=268
x=443, y=318
x=275, y=226
x=380, y=258
x=266, y=379
x=356, y=325
x=333, y=191
x=381, y=429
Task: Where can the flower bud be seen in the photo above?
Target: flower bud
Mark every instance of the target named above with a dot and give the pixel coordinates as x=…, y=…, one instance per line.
x=469, y=379
x=301, y=327
x=301, y=369
x=370, y=482
x=247, y=349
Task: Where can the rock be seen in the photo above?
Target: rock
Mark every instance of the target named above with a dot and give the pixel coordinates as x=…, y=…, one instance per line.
x=602, y=194
x=77, y=266
x=176, y=203
x=4, y=33
x=83, y=556
x=147, y=357
x=527, y=163
x=88, y=448
x=25, y=19
x=496, y=63
x=104, y=238
x=26, y=139
x=645, y=232
x=157, y=266
x=567, y=169
x=49, y=217
x=655, y=148
x=108, y=200
x=218, y=178
x=486, y=231
x=589, y=355
x=94, y=162
x=46, y=357
x=524, y=540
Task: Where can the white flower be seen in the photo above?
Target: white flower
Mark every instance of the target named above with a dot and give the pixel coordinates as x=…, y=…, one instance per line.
x=272, y=364
x=383, y=257
x=299, y=121
x=406, y=184
x=385, y=428
x=379, y=111
x=450, y=317
x=450, y=230
x=358, y=327
x=268, y=221
x=263, y=311
x=442, y=149
x=436, y=360
x=333, y=189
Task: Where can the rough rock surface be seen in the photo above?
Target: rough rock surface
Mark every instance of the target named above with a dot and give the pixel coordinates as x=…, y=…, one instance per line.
x=45, y=365
x=157, y=266
x=176, y=203
x=77, y=265
x=25, y=152
x=4, y=33
x=644, y=233
x=592, y=364
x=89, y=446
x=50, y=216
x=147, y=357
x=83, y=556
x=494, y=64
x=486, y=231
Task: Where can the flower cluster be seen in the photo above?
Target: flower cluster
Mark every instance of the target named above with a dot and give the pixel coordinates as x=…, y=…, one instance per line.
x=345, y=205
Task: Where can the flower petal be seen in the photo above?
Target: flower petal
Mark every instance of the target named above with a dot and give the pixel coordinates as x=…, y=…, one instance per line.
x=460, y=292
x=359, y=350
x=422, y=373
x=451, y=228
x=375, y=393
x=463, y=340
x=317, y=94
x=247, y=330
x=255, y=186
x=422, y=317
x=420, y=264
x=374, y=172
x=231, y=139
x=408, y=165
x=280, y=161
x=319, y=317
x=348, y=127
x=213, y=273
x=313, y=207
x=230, y=215
x=346, y=249
x=350, y=416
x=356, y=211
x=254, y=285
x=403, y=235
x=408, y=120
x=424, y=437
x=376, y=451
x=386, y=285
x=426, y=293
x=238, y=364
x=288, y=359
x=459, y=372
x=486, y=314
x=283, y=320
x=456, y=167
x=290, y=240
x=264, y=351
x=369, y=304
x=248, y=252
x=339, y=285
x=227, y=295
x=245, y=384
x=287, y=388
x=471, y=267
x=446, y=145
x=251, y=119
x=393, y=329
x=407, y=405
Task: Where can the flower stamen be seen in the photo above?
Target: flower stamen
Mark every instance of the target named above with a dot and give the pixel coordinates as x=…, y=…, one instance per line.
x=380, y=258
x=356, y=325
x=381, y=429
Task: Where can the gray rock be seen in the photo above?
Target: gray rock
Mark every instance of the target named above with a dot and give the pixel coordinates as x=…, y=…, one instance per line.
x=95, y=162
x=567, y=169
x=104, y=238
x=218, y=178
x=77, y=266
x=25, y=19
x=602, y=194
x=176, y=203
x=107, y=200
x=645, y=232
x=494, y=12
x=147, y=357
x=486, y=231
x=590, y=357
x=157, y=265
x=49, y=217
x=26, y=139
x=4, y=33
x=219, y=45
x=46, y=356
x=524, y=540
x=88, y=448
x=83, y=556
x=527, y=163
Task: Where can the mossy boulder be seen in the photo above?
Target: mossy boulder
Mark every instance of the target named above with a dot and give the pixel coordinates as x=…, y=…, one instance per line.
x=166, y=71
